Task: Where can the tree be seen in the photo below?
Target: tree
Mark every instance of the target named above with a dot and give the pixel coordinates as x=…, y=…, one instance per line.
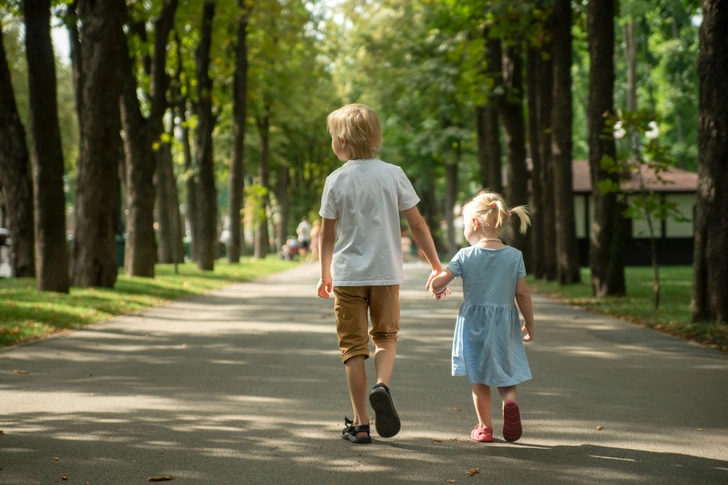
x=94, y=260
x=46, y=151
x=607, y=240
x=15, y=177
x=206, y=192
x=710, y=262
x=237, y=170
x=140, y=134
x=567, y=251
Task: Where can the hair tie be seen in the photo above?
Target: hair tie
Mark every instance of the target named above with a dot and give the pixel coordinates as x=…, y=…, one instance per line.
x=510, y=213
x=493, y=205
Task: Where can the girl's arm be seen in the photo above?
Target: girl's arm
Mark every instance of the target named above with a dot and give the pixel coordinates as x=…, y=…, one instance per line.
x=440, y=282
x=523, y=298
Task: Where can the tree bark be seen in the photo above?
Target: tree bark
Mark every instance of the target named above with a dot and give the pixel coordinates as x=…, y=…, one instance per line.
x=567, y=250
x=51, y=256
x=93, y=261
x=164, y=205
x=490, y=120
x=710, y=260
x=262, y=244
x=510, y=109
x=533, y=59
x=451, y=192
x=284, y=204
x=237, y=169
x=545, y=106
x=140, y=134
x=15, y=177
x=206, y=191
x=607, y=238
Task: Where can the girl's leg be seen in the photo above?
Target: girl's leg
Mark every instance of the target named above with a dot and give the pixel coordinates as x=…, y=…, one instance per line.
x=481, y=399
x=356, y=378
x=508, y=393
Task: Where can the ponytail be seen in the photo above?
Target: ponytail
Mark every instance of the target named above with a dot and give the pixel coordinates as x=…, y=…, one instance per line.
x=522, y=212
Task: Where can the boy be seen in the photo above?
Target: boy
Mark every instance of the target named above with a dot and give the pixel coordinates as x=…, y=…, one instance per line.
x=360, y=204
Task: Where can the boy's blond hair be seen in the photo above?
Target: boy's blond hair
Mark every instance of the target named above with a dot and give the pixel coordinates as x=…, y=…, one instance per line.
x=359, y=125
x=492, y=213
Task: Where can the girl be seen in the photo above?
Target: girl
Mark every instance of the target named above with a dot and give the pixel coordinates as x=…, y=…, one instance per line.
x=487, y=346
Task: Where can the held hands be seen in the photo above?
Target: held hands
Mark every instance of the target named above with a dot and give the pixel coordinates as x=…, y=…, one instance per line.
x=442, y=295
x=528, y=328
x=324, y=288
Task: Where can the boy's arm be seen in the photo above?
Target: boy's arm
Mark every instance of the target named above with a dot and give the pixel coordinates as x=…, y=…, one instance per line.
x=523, y=297
x=419, y=228
x=327, y=239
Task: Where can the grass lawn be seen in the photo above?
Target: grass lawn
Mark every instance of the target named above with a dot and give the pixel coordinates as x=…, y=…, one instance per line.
x=27, y=314
x=673, y=317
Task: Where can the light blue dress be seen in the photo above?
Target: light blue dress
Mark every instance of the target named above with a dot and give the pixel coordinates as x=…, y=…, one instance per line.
x=488, y=345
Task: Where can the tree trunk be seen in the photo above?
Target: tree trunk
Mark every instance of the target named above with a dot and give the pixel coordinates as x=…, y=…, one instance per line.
x=164, y=212
x=545, y=106
x=607, y=238
x=51, y=256
x=284, y=204
x=15, y=177
x=93, y=261
x=140, y=134
x=237, y=169
x=262, y=244
x=490, y=126
x=710, y=261
x=567, y=250
x=533, y=59
x=206, y=191
x=451, y=192
x=511, y=112
x=678, y=112
x=630, y=53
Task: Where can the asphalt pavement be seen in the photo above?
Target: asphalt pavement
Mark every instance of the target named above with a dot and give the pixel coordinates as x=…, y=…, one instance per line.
x=245, y=385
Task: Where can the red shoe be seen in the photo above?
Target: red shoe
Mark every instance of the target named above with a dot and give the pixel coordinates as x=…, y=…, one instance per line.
x=512, y=429
x=482, y=433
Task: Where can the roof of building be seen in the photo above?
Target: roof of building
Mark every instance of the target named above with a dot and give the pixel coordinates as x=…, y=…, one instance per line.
x=673, y=180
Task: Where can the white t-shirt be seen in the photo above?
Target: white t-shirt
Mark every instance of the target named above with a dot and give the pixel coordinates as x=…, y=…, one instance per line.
x=304, y=231
x=365, y=197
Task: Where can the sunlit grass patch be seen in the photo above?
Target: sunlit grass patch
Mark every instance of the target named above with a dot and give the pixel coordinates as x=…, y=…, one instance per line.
x=673, y=316
x=26, y=313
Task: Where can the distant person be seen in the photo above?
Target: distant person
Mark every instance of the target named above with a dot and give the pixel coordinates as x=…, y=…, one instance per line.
x=361, y=202
x=304, y=237
x=406, y=244
x=487, y=346
x=315, y=240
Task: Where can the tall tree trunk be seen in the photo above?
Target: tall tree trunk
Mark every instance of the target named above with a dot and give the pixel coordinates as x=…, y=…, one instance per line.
x=630, y=53
x=490, y=119
x=678, y=112
x=607, y=238
x=545, y=106
x=163, y=204
x=533, y=59
x=206, y=191
x=451, y=192
x=93, y=261
x=140, y=134
x=511, y=112
x=237, y=169
x=15, y=177
x=262, y=244
x=284, y=204
x=51, y=256
x=567, y=250
x=710, y=261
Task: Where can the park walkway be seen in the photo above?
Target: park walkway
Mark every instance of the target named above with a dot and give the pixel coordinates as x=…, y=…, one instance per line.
x=244, y=386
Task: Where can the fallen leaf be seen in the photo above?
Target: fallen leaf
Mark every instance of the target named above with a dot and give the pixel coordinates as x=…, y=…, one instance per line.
x=699, y=429
x=473, y=471
x=1, y=431
x=56, y=458
x=437, y=441
x=164, y=478
x=455, y=409
x=454, y=439
x=23, y=372
x=451, y=481
x=200, y=387
x=600, y=427
x=65, y=476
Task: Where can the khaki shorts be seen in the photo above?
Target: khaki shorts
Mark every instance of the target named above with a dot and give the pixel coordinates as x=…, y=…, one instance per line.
x=351, y=306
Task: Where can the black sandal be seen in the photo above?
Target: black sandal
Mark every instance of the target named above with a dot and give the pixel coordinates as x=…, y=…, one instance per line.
x=349, y=433
x=387, y=420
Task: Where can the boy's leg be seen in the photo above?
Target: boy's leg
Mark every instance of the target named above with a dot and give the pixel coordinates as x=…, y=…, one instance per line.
x=384, y=355
x=352, y=323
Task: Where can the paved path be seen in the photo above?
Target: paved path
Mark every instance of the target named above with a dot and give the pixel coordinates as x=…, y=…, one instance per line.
x=244, y=386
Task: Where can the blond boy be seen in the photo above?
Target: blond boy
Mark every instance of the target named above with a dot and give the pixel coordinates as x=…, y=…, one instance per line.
x=360, y=238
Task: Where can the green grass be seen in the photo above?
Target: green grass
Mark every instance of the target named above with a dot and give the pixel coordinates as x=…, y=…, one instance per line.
x=673, y=317
x=27, y=314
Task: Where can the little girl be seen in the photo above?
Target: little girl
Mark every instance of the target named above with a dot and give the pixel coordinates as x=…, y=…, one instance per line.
x=487, y=346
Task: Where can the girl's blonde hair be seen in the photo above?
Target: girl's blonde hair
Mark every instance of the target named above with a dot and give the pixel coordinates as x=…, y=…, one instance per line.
x=491, y=211
x=359, y=125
